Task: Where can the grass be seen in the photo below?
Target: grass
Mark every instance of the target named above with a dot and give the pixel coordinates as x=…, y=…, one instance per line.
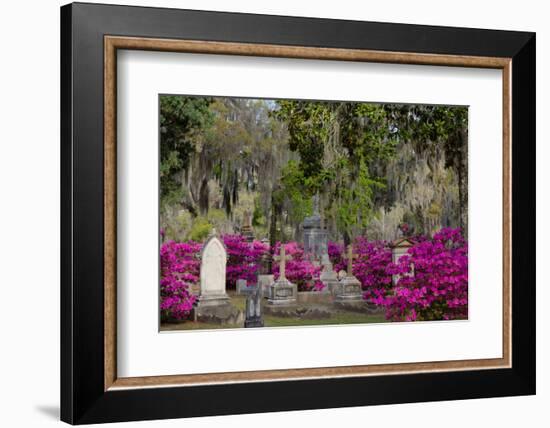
x=338, y=317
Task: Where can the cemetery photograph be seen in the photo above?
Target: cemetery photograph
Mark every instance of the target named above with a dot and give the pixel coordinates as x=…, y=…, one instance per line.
x=290, y=213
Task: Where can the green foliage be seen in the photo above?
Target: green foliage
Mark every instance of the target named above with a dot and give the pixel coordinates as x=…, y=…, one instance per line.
x=355, y=207
x=431, y=127
x=367, y=132
x=258, y=217
x=215, y=216
x=439, y=129
x=176, y=223
x=308, y=124
x=337, y=143
x=218, y=219
x=181, y=121
x=296, y=190
x=200, y=230
x=367, y=162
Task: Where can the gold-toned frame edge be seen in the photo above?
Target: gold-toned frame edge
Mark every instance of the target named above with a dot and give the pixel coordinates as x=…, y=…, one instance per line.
x=112, y=43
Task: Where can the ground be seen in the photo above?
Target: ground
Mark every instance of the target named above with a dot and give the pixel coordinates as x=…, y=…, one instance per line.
x=339, y=317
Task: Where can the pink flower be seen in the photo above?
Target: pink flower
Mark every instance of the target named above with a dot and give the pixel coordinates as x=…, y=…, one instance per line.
x=432, y=277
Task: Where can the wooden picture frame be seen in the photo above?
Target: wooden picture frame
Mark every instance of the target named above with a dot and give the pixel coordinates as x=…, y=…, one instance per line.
x=91, y=390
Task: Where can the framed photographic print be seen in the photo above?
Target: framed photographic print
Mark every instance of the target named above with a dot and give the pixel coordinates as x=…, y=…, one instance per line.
x=266, y=213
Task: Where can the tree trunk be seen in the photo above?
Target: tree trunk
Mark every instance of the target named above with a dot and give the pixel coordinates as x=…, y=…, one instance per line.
x=204, y=196
x=463, y=182
x=275, y=209
x=187, y=201
x=189, y=207
x=226, y=201
x=347, y=239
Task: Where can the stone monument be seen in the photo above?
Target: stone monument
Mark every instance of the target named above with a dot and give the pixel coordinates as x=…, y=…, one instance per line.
x=349, y=287
x=212, y=273
x=246, y=229
x=241, y=286
x=315, y=236
x=399, y=248
x=253, y=312
x=328, y=277
x=282, y=292
x=264, y=282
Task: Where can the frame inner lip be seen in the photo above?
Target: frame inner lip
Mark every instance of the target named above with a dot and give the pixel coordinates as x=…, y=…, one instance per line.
x=112, y=43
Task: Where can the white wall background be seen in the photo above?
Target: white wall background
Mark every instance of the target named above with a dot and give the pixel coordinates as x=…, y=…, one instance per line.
x=29, y=219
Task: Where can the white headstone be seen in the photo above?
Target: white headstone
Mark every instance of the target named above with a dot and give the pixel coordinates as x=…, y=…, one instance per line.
x=213, y=265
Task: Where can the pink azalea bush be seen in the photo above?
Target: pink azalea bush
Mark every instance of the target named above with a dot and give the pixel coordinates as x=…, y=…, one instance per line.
x=433, y=280
x=370, y=266
x=335, y=251
x=243, y=259
x=179, y=270
x=299, y=270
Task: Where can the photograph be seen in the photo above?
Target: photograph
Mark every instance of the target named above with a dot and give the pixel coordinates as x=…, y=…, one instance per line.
x=293, y=212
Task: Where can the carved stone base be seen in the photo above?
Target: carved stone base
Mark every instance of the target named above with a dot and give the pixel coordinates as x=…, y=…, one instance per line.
x=362, y=307
x=298, y=311
x=315, y=298
x=253, y=322
x=328, y=276
x=332, y=287
x=225, y=314
x=348, y=290
x=208, y=300
x=282, y=292
x=330, y=281
x=265, y=281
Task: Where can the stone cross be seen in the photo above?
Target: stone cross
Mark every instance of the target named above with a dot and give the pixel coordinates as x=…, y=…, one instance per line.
x=349, y=257
x=282, y=258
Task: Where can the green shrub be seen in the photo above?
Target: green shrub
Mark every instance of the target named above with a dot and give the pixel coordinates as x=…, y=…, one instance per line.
x=200, y=229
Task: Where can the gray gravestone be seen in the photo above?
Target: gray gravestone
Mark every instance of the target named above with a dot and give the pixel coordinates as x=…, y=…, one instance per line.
x=349, y=288
x=264, y=281
x=241, y=286
x=246, y=229
x=315, y=236
x=328, y=277
x=253, y=311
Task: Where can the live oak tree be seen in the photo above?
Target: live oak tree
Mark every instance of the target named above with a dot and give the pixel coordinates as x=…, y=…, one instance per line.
x=182, y=124
x=337, y=143
x=222, y=156
x=443, y=129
